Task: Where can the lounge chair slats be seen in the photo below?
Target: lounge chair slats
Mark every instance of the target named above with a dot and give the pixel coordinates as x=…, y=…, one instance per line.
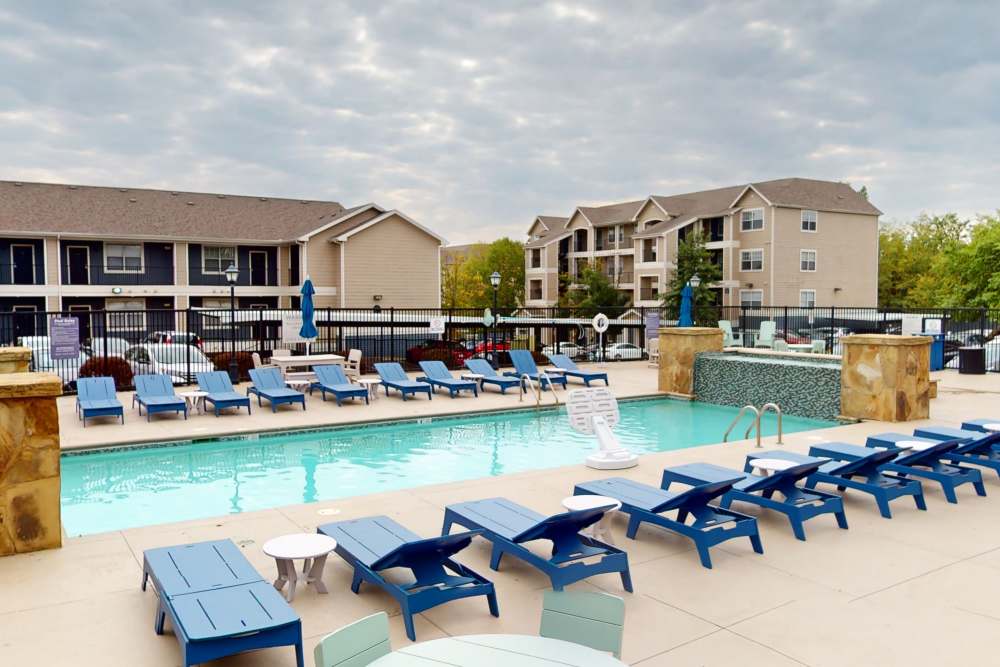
x=331, y=378
x=570, y=369
x=394, y=377
x=269, y=384
x=156, y=394
x=96, y=397
x=220, y=391
x=929, y=463
x=524, y=364
x=438, y=375
x=490, y=376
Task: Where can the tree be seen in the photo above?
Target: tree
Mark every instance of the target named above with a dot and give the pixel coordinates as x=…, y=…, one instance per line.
x=693, y=257
x=919, y=262
x=466, y=284
x=594, y=293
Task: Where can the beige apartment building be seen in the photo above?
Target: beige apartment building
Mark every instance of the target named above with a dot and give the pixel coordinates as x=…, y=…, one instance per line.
x=788, y=242
x=81, y=248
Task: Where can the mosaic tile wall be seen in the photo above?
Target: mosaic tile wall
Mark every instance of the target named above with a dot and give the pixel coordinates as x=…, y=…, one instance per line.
x=808, y=388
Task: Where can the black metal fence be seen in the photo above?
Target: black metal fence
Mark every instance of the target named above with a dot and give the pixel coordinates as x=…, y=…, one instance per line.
x=184, y=342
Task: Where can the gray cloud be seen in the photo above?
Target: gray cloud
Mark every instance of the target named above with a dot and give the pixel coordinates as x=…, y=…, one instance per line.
x=474, y=117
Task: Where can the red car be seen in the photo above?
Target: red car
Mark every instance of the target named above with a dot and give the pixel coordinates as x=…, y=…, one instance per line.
x=488, y=346
x=452, y=353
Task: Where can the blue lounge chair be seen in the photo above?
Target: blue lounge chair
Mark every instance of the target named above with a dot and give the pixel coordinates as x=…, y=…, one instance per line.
x=510, y=526
x=394, y=377
x=377, y=543
x=976, y=446
x=268, y=383
x=96, y=397
x=861, y=473
x=524, y=364
x=437, y=375
x=928, y=463
x=217, y=602
x=331, y=378
x=490, y=376
x=797, y=503
x=711, y=526
x=156, y=394
x=220, y=392
x=978, y=425
x=563, y=362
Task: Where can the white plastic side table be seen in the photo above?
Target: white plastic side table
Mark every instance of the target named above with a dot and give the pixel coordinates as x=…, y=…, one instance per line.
x=602, y=529
x=992, y=427
x=371, y=384
x=768, y=466
x=312, y=548
x=195, y=400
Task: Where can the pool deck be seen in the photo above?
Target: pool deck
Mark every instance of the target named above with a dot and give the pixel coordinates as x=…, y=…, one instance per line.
x=921, y=589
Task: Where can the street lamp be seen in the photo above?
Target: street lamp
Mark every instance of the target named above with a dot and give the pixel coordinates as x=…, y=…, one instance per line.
x=495, y=282
x=694, y=281
x=232, y=275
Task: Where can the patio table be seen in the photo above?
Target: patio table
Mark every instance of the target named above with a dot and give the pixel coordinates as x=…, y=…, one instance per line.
x=305, y=361
x=311, y=548
x=490, y=650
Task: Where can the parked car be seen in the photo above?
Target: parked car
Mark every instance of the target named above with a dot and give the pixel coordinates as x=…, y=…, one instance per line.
x=67, y=369
x=451, y=352
x=174, y=337
x=181, y=362
x=487, y=347
x=620, y=352
x=791, y=338
x=571, y=350
x=107, y=347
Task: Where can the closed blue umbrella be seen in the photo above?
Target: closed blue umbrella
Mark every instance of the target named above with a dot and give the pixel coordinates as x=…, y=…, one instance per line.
x=308, y=329
x=687, y=296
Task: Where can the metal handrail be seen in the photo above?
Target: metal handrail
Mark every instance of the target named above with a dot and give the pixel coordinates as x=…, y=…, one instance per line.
x=774, y=407
x=537, y=387
x=737, y=421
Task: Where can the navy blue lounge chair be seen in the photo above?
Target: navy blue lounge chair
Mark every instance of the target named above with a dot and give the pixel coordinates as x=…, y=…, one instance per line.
x=797, y=503
x=861, y=473
x=156, y=394
x=979, y=425
x=647, y=504
x=269, y=384
x=510, y=526
x=570, y=369
x=437, y=375
x=220, y=392
x=374, y=544
x=217, y=602
x=96, y=397
x=927, y=462
x=979, y=447
x=524, y=364
x=331, y=378
x=394, y=377
x=490, y=376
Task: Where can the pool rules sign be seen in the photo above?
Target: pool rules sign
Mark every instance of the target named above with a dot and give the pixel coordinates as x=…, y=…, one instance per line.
x=64, y=338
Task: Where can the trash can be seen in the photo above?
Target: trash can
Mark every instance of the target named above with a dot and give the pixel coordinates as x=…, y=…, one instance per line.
x=972, y=360
x=937, y=350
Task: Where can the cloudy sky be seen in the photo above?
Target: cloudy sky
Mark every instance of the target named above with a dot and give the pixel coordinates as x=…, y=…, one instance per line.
x=474, y=117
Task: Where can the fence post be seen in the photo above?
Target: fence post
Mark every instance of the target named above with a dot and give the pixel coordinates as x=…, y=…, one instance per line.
x=392, y=332
x=187, y=349
x=785, y=326
x=833, y=325
x=982, y=324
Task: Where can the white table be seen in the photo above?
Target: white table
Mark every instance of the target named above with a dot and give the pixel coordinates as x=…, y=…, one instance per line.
x=305, y=361
x=478, y=377
x=491, y=650
x=301, y=385
x=992, y=427
x=312, y=548
x=915, y=445
x=555, y=371
x=371, y=384
x=800, y=347
x=768, y=466
x=195, y=400
x=602, y=529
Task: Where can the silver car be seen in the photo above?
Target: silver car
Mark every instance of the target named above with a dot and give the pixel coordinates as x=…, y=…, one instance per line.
x=181, y=362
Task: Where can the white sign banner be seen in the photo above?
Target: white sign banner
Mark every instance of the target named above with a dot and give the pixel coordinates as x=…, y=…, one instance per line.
x=600, y=322
x=912, y=324
x=291, y=324
x=437, y=325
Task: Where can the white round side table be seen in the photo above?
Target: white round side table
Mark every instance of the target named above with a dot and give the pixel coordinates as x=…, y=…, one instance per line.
x=992, y=427
x=195, y=400
x=371, y=384
x=602, y=529
x=312, y=548
x=915, y=445
x=768, y=466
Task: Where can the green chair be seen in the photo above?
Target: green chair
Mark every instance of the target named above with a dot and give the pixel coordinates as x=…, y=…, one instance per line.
x=819, y=347
x=765, y=337
x=591, y=619
x=356, y=645
x=779, y=345
x=728, y=339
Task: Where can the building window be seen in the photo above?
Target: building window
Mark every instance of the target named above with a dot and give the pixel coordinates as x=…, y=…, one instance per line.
x=126, y=314
x=122, y=258
x=751, y=298
x=752, y=220
x=807, y=260
x=649, y=250
x=809, y=219
x=535, y=291
x=807, y=298
x=536, y=258
x=752, y=260
x=217, y=258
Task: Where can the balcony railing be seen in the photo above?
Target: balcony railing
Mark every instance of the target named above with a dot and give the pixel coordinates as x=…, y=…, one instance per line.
x=22, y=274
x=536, y=295
x=98, y=274
x=649, y=294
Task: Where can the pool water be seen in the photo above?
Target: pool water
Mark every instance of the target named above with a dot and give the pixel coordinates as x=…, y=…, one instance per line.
x=125, y=488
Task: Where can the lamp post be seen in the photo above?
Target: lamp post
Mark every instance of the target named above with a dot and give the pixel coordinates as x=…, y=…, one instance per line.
x=232, y=275
x=495, y=282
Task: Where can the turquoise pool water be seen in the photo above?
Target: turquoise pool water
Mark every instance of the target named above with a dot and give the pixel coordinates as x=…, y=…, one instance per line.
x=125, y=488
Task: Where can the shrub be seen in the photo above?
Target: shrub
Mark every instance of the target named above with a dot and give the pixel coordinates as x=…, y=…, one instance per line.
x=244, y=362
x=114, y=367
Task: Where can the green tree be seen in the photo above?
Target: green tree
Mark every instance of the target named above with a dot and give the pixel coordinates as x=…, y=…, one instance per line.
x=693, y=257
x=593, y=293
x=466, y=284
x=918, y=262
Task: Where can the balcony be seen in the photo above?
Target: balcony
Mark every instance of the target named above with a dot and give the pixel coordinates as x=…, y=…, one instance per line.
x=649, y=294
x=97, y=274
x=22, y=274
x=535, y=294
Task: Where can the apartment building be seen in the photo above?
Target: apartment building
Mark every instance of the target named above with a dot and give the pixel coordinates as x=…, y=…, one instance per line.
x=82, y=248
x=787, y=242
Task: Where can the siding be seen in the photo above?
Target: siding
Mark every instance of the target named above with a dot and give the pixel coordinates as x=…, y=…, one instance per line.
x=196, y=277
x=395, y=259
x=33, y=275
x=323, y=263
x=750, y=241
x=157, y=257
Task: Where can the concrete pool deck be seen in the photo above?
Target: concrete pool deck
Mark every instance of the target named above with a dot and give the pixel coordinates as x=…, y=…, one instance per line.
x=921, y=589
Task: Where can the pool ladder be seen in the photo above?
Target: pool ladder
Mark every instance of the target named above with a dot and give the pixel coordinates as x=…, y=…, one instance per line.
x=755, y=424
x=526, y=381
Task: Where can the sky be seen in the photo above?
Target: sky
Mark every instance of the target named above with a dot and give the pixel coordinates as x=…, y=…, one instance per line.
x=473, y=117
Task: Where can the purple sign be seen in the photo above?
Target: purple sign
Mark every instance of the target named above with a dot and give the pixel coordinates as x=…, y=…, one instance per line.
x=652, y=324
x=64, y=338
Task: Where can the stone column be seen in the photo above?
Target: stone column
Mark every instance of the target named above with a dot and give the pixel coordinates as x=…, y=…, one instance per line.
x=885, y=377
x=14, y=359
x=29, y=462
x=678, y=347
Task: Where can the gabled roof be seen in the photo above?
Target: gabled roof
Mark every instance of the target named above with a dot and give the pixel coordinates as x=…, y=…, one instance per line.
x=547, y=238
x=551, y=221
x=611, y=213
x=352, y=223
x=817, y=195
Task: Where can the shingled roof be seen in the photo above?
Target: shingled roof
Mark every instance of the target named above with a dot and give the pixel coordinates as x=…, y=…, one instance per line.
x=49, y=208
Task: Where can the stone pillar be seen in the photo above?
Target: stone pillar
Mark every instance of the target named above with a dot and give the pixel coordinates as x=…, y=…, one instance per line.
x=14, y=359
x=29, y=462
x=885, y=377
x=678, y=347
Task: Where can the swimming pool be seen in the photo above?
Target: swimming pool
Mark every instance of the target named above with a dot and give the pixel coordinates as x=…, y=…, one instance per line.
x=129, y=487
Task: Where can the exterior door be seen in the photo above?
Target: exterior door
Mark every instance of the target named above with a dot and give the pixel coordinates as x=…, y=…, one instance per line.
x=82, y=312
x=25, y=320
x=78, y=265
x=258, y=267
x=22, y=260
